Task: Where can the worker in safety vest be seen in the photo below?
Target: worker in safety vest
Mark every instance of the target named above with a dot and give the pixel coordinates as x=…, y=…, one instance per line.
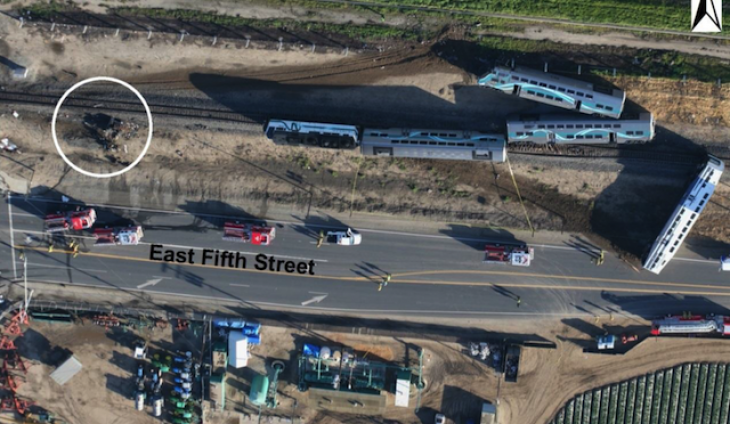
x=320, y=240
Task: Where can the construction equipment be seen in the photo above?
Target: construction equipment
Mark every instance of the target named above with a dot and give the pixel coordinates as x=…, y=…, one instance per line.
x=247, y=233
x=276, y=368
x=692, y=324
x=118, y=236
x=514, y=254
x=64, y=221
x=512, y=363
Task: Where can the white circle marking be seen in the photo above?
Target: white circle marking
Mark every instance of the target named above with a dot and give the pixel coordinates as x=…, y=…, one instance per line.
x=149, y=131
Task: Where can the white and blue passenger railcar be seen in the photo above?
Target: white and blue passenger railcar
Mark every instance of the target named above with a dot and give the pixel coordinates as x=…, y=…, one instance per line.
x=314, y=134
x=564, y=129
x=434, y=144
x=556, y=90
x=684, y=217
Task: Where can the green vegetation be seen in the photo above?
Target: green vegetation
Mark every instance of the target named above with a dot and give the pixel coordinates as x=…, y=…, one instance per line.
x=45, y=10
x=690, y=393
x=360, y=32
x=664, y=14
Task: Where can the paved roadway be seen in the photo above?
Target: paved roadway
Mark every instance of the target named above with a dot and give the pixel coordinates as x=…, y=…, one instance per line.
x=432, y=274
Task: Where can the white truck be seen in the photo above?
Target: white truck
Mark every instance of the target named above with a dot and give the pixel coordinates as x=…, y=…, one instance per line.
x=344, y=238
x=725, y=263
x=118, y=236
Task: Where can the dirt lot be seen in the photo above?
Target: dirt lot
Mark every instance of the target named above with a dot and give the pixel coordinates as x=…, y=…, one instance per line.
x=456, y=383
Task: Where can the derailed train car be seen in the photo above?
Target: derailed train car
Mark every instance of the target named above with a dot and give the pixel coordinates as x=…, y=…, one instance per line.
x=393, y=142
x=554, y=90
x=684, y=217
x=566, y=129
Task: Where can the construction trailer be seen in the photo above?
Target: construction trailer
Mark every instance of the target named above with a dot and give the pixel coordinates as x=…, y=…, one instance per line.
x=218, y=391
x=512, y=362
x=64, y=221
x=403, y=388
x=237, y=349
x=489, y=413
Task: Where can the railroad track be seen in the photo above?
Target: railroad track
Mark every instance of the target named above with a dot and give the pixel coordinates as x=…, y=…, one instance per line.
x=628, y=152
x=131, y=107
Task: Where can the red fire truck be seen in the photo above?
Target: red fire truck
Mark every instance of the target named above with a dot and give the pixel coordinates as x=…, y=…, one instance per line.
x=515, y=254
x=247, y=233
x=64, y=221
x=119, y=236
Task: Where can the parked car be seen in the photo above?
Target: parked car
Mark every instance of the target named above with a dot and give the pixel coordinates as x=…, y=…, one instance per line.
x=344, y=238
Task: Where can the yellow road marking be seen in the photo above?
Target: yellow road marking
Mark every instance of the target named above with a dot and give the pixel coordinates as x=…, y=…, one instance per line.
x=428, y=282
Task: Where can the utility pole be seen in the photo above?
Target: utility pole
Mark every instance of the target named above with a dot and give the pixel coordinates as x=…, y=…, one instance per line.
x=12, y=235
x=420, y=379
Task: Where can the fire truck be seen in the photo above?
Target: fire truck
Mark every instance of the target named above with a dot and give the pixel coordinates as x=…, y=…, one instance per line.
x=64, y=221
x=118, y=236
x=692, y=324
x=247, y=233
x=516, y=255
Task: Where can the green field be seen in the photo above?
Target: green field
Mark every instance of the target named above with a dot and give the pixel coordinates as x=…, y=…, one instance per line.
x=685, y=394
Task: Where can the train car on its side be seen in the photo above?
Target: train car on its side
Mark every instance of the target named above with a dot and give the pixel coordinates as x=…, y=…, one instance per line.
x=556, y=90
x=564, y=129
x=312, y=134
x=434, y=144
x=684, y=217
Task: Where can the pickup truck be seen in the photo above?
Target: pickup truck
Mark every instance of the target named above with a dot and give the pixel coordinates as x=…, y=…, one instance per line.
x=344, y=238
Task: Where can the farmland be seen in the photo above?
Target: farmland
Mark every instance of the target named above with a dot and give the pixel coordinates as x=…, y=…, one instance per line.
x=688, y=393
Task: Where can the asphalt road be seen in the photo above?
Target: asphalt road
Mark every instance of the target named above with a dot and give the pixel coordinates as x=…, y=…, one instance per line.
x=432, y=273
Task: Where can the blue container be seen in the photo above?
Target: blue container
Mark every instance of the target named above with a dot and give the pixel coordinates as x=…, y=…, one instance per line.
x=310, y=350
x=251, y=328
x=236, y=323
x=254, y=339
x=220, y=322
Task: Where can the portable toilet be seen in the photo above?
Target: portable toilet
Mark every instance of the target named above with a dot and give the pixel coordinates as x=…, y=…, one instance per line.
x=157, y=407
x=139, y=401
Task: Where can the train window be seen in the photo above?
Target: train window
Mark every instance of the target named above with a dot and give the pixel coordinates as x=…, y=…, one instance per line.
x=523, y=79
x=561, y=89
x=542, y=84
x=579, y=125
x=599, y=106
x=529, y=133
x=598, y=136
x=671, y=250
x=697, y=209
x=541, y=126
x=514, y=78
x=527, y=127
x=639, y=132
x=539, y=95
x=706, y=194
x=452, y=135
x=590, y=96
x=547, y=96
x=558, y=99
x=414, y=141
x=551, y=126
x=433, y=143
x=571, y=92
x=451, y=144
x=520, y=133
x=589, y=125
x=580, y=93
x=469, y=144
x=424, y=134
x=702, y=202
x=570, y=136
x=589, y=136
x=552, y=86
x=617, y=125
x=580, y=137
x=395, y=141
x=569, y=126
x=693, y=216
x=460, y=144
x=530, y=92
x=561, y=126
x=533, y=82
x=609, y=108
x=630, y=132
